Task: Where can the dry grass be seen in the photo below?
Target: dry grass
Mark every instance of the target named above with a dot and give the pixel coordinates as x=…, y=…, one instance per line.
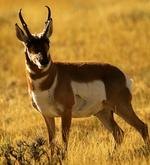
x=111, y=31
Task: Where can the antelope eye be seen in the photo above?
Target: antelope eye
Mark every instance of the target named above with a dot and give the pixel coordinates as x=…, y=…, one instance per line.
x=32, y=49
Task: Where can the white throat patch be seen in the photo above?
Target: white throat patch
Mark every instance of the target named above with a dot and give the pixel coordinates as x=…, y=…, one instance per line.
x=43, y=70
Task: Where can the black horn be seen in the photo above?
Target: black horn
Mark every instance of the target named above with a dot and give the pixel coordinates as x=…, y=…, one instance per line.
x=49, y=15
x=25, y=27
x=48, y=24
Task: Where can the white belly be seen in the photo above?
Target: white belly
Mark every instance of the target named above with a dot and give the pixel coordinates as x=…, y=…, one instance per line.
x=88, y=98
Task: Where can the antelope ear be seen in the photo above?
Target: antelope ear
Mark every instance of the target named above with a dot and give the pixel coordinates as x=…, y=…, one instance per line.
x=48, y=29
x=20, y=34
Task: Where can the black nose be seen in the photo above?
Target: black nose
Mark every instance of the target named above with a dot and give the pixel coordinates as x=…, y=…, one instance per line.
x=44, y=62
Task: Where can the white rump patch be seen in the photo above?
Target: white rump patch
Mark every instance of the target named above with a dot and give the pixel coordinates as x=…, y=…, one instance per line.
x=88, y=98
x=129, y=82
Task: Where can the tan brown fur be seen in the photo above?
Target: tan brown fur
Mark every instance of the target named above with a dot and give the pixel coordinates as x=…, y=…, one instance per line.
x=118, y=96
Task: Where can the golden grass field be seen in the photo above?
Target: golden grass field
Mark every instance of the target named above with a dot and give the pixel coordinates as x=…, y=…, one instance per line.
x=112, y=31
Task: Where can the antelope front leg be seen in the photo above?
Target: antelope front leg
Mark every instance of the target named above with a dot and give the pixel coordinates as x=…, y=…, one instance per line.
x=66, y=123
x=50, y=123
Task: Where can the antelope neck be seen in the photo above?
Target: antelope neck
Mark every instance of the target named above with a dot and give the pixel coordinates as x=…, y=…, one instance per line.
x=37, y=73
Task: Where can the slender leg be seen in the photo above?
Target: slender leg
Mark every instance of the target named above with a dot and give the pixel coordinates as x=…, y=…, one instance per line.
x=106, y=117
x=127, y=113
x=66, y=123
x=50, y=123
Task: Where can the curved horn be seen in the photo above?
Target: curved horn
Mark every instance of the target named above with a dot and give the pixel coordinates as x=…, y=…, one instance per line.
x=25, y=27
x=48, y=24
x=49, y=15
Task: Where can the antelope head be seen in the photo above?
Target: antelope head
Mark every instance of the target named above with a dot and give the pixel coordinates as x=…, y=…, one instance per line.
x=37, y=46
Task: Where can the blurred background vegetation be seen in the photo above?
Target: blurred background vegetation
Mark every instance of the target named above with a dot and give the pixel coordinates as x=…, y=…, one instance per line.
x=110, y=31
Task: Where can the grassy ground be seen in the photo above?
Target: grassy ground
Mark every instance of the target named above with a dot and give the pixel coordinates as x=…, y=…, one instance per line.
x=113, y=31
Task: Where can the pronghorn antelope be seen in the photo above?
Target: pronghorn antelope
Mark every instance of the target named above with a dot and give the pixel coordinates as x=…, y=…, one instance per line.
x=70, y=90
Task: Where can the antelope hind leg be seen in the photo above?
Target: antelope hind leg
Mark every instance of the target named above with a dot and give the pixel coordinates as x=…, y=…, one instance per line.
x=106, y=117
